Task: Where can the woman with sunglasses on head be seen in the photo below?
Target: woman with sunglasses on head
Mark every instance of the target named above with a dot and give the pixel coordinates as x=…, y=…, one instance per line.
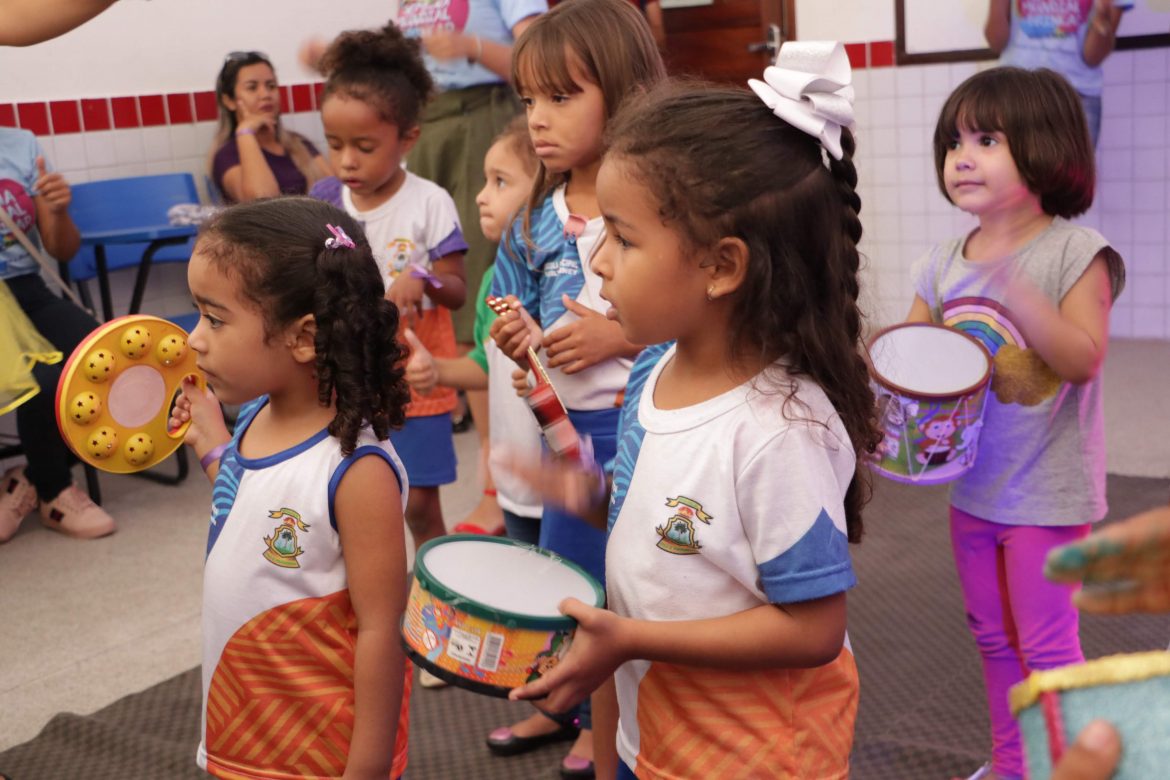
x=253, y=156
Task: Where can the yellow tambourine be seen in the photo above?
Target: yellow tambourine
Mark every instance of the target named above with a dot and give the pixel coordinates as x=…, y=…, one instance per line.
x=116, y=390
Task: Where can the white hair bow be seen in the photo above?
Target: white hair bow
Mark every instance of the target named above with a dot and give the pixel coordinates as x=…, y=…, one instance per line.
x=809, y=88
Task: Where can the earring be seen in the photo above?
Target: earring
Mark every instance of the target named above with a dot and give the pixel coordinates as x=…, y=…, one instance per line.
x=710, y=294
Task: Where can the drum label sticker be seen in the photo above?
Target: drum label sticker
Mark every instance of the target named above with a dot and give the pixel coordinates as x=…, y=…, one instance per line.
x=463, y=646
x=283, y=546
x=489, y=659
x=677, y=534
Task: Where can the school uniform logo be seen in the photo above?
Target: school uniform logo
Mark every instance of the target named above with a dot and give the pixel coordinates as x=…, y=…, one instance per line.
x=677, y=534
x=283, y=546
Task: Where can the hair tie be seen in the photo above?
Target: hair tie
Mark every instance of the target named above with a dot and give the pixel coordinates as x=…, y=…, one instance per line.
x=809, y=88
x=340, y=239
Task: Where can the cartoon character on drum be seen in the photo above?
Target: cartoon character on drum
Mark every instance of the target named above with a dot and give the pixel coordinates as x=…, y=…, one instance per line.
x=938, y=443
x=547, y=659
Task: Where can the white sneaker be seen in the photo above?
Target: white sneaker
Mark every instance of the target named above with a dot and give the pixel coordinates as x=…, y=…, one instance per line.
x=17, y=498
x=74, y=514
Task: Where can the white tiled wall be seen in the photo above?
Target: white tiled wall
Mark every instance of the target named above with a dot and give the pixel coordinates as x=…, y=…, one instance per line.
x=903, y=212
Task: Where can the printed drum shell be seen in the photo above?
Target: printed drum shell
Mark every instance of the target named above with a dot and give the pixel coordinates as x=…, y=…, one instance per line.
x=1131, y=691
x=482, y=611
x=931, y=383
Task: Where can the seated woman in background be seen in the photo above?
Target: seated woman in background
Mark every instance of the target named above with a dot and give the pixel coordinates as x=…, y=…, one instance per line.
x=253, y=156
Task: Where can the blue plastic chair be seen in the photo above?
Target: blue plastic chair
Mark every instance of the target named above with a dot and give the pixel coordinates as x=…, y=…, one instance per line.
x=123, y=223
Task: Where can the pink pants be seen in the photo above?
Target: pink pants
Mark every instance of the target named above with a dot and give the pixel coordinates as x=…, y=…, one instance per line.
x=1020, y=620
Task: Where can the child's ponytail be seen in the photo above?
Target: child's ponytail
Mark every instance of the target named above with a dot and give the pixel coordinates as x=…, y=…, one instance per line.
x=359, y=361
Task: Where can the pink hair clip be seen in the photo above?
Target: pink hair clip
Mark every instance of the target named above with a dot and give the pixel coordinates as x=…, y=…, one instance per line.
x=340, y=239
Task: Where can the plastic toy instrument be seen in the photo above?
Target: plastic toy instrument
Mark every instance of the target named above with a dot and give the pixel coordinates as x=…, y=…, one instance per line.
x=116, y=390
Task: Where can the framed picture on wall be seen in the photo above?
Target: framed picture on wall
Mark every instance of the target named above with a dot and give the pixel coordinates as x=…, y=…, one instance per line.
x=952, y=30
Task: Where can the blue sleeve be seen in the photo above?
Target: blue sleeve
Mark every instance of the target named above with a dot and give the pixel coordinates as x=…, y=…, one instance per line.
x=514, y=275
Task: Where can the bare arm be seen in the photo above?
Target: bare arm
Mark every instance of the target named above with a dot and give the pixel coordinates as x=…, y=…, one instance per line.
x=770, y=636
x=449, y=271
x=495, y=56
x=461, y=373
x=252, y=178
x=1073, y=338
x=998, y=29
x=58, y=232
x=1102, y=34
x=919, y=311
x=32, y=21
x=369, y=521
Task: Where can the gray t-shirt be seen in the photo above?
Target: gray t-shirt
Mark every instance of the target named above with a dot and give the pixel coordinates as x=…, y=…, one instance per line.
x=1041, y=454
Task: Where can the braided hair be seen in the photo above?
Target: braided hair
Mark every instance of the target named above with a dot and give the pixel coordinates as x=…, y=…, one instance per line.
x=719, y=163
x=276, y=248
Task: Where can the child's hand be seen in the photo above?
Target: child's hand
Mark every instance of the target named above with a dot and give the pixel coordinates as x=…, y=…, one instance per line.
x=1125, y=567
x=515, y=331
x=407, y=293
x=1094, y=756
x=586, y=342
x=201, y=408
x=421, y=372
x=310, y=53
x=520, y=383
x=578, y=487
x=446, y=45
x=597, y=650
x=53, y=188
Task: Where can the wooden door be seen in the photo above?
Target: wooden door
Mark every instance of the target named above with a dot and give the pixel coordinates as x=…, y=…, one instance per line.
x=726, y=41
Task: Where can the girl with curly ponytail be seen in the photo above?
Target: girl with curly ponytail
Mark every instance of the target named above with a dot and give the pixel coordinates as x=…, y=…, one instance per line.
x=731, y=250
x=308, y=493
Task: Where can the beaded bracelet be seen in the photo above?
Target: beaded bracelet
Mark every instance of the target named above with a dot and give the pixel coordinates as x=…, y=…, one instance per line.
x=213, y=455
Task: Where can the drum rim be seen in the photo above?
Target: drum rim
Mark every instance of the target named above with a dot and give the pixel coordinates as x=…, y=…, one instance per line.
x=1115, y=669
x=446, y=675
x=905, y=391
x=428, y=582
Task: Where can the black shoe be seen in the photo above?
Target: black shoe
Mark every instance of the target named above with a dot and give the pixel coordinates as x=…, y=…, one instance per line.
x=461, y=424
x=502, y=742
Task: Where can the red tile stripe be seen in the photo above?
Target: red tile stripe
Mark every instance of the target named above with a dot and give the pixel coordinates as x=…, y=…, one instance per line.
x=61, y=117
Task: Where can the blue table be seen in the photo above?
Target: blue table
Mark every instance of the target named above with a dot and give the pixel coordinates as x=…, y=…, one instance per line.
x=156, y=237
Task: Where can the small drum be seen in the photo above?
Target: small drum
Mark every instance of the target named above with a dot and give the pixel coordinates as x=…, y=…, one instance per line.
x=931, y=384
x=115, y=392
x=482, y=612
x=1130, y=691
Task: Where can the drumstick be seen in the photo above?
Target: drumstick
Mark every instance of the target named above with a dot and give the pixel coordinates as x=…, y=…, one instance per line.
x=43, y=261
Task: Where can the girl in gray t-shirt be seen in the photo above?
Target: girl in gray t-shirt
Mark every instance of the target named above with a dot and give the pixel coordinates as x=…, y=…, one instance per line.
x=1011, y=147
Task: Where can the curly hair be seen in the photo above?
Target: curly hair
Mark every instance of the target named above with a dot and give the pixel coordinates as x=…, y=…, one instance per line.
x=382, y=68
x=719, y=164
x=276, y=248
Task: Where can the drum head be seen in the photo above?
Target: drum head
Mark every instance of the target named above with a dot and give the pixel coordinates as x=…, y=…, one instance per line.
x=503, y=579
x=926, y=360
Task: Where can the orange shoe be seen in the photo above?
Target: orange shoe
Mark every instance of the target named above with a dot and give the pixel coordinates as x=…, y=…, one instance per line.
x=17, y=498
x=74, y=514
